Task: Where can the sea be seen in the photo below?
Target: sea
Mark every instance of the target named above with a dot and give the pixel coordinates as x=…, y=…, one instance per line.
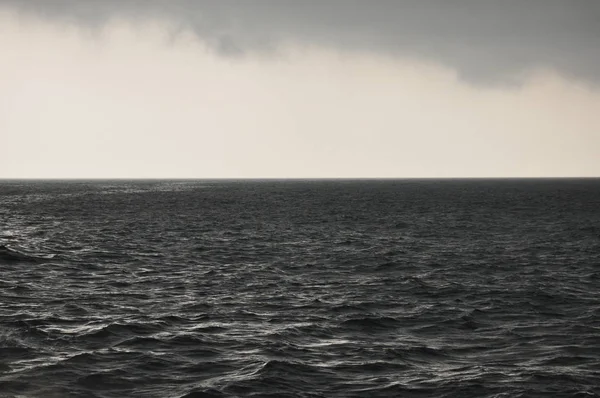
x=300, y=288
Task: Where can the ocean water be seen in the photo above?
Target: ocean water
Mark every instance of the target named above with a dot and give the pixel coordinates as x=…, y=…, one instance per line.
x=450, y=288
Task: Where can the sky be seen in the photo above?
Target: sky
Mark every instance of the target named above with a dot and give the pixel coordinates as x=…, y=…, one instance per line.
x=299, y=89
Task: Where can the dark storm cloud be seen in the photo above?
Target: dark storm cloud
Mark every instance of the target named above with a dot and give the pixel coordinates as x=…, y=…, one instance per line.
x=486, y=41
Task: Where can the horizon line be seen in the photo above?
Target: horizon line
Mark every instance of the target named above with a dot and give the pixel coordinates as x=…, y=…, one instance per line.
x=287, y=178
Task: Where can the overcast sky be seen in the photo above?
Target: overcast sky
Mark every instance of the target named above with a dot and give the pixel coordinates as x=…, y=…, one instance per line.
x=281, y=88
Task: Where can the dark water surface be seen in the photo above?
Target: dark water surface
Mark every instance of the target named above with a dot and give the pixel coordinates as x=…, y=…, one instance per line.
x=456, y=288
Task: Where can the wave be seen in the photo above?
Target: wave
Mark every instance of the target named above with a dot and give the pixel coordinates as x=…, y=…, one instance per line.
x=122, y=329
x=371, y=322
x=9, y=255
x=203, y=393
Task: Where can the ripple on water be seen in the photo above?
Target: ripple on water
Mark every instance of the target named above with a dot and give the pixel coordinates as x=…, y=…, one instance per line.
x=299, y=289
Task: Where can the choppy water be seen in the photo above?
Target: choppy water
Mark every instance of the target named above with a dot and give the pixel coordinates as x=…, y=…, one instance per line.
x=300, y=289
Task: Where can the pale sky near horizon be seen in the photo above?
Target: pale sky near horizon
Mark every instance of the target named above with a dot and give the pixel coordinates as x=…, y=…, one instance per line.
x=299, y=89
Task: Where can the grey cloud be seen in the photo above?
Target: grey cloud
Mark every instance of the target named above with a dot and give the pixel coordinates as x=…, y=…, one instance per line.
x=485, y=41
